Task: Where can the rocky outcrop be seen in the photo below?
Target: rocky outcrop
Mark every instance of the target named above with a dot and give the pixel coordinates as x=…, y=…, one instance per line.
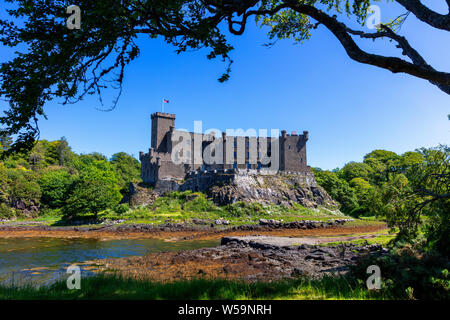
x=140, y=195
x=227, y=187
x=280, y=189
x=245, y=260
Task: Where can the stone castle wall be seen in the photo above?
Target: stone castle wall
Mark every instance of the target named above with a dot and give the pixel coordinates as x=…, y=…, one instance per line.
x=157, y=164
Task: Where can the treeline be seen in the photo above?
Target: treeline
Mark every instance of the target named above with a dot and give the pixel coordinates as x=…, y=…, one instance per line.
x=358, y=185
x=51, y=178
x=412, y=191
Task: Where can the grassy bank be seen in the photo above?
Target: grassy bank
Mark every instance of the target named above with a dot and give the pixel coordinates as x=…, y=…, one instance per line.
x=181, y=207
x=115, y=287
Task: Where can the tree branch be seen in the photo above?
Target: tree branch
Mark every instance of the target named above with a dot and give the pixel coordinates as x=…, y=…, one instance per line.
x=426, y=15
x=393, y=64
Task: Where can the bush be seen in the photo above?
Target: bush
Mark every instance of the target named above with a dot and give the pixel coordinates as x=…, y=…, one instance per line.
x=410, y=273
x=199, y=203
x=6, y=212
x=25, y=189
x=121, y=208
x=240, y=209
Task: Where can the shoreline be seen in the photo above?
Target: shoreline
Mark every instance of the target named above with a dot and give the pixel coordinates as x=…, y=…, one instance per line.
x=177, y=232
x=241, y=258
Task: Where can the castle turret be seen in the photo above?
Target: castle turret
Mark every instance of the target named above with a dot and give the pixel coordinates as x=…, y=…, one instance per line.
x=161, y=126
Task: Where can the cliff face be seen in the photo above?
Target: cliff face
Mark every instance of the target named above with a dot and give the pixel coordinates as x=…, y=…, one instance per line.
x=279, y=189
x=226, y=187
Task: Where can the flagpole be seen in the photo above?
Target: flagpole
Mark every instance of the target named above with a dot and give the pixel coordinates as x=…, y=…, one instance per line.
x=162, y=105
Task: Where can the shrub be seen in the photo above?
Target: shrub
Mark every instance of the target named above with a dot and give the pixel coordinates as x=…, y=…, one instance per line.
x=6, y=212
x=410, y=273
x=121, y=208
x=199, y=203
x=240, y=209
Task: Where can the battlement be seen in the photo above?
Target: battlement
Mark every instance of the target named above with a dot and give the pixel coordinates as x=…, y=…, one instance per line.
x=163, y=115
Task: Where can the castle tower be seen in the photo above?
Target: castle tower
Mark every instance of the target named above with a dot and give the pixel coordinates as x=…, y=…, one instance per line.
x=161, y=126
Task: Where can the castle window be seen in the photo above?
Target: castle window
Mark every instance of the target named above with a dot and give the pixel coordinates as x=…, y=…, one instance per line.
x=188, y=142
x=289, y=146
x=188, y=154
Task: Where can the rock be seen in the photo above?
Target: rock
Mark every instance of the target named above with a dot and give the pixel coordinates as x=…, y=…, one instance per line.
x=140, y=195
x=276, y=189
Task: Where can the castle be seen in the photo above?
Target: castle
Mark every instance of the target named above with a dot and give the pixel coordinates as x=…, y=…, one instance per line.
x=176, y=154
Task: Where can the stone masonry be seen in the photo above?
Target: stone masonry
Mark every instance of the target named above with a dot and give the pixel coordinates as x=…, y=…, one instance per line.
x=158, y=168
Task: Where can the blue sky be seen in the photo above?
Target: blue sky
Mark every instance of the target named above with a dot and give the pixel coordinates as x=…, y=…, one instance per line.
x=349, y=108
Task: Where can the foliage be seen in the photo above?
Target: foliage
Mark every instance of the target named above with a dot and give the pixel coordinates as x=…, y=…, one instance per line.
x=55, y=186
x=339, y=189
x=50, y=177
x=242, y=209
x=6, y=212
x=409, y=273
x=355, y=170
x=411, y=191
x=95, y=190
x=128, y=170
x=25, y=189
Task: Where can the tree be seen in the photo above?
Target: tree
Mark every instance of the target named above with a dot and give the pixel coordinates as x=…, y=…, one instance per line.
x=95, y=190
x=338, y=189
x=355, y=170
x=383, y=164
x=55, y=186
x=70, y=64
x=128, y=169
x=5, y=141
x=426, y=192
x=366, y=194
x=25, y=193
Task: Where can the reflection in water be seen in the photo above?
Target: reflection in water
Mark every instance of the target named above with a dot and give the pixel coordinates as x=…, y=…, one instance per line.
x=42, y=260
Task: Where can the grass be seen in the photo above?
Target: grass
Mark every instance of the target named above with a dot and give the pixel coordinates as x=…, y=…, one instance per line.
x=115, y=287
x=381, y=239
x=184, y=206
x=179, y=207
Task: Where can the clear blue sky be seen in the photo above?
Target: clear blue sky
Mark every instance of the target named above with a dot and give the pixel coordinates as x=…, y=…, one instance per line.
x=349, y=108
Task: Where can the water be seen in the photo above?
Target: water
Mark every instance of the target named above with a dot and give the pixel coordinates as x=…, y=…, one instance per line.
x=41, y=261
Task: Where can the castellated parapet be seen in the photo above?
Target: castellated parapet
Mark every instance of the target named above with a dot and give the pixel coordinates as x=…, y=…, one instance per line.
x=286, y=153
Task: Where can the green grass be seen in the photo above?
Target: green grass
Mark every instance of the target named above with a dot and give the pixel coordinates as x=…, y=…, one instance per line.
x=178, y=207
x=381, y=239
x=184, y=206
x=115, y=287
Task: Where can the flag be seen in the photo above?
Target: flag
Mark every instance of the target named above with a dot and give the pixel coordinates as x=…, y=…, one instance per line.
x=165, y=101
